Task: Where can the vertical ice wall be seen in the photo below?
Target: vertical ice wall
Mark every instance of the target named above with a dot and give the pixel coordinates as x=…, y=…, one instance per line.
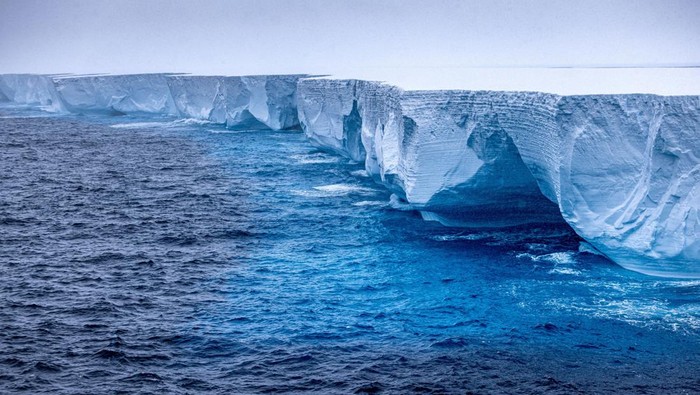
x=448, y=153
x=31, y=89
x=629, y=178
x=199, y=97
x=248, y=102
x=135, y=93
x=622, y=170
x=358, y=119
x=330, y=116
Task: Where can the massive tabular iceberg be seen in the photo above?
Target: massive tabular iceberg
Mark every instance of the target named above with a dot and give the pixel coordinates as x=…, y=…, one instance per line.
x=622, y=170
x=356, y=119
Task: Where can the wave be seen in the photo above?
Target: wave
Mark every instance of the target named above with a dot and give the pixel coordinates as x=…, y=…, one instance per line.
x=360, y=173
x=162, y=124
x=365, y=203
x=314, y=159
x=335, y=190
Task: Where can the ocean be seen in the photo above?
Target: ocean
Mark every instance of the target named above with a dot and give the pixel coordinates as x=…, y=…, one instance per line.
x=152, y=255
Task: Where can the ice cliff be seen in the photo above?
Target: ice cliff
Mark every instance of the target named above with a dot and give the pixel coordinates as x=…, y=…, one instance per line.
x=253, y=102
x=118, y=94
x=625, y=172
x=248, y=102
x=31, y=90
x=622, y=169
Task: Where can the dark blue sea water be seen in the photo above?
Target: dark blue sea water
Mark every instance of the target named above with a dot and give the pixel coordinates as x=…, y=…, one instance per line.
x=174, y=257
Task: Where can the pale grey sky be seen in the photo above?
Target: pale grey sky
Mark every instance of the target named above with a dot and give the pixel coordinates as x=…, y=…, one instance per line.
x=336, y=36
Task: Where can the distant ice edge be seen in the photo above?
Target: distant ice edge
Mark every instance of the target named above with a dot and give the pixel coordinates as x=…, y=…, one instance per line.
x=622, y=170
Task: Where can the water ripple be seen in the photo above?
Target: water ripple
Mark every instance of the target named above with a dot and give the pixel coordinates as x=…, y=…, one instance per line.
x=171, y=257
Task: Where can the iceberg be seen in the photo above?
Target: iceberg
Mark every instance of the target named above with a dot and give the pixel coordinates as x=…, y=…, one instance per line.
x=623, y=170
x=356, y=119
x=245, y=102
x=459, y=163
x=261, y=102
x=330, y=118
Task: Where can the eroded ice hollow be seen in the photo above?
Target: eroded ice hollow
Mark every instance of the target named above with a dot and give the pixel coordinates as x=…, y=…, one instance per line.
x=623, y=170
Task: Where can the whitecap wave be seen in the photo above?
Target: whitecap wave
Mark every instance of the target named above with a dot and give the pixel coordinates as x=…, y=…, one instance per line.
x=313, y=159
x=334, y=190
x=360, y=173
x=397, y=203
x=223, y=131
x=140, y=125
x=470, y=236
x=193, y=121
x=365, y=203
x=558, y=258
x=178, y=123
x=565, y=270
x=639, y=312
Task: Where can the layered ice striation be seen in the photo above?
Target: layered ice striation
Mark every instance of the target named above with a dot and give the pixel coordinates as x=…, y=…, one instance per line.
x=459, y=164
x=622, y=170
x=447, y=153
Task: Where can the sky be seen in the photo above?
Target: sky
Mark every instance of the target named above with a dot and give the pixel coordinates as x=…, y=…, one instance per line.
x=336, y=36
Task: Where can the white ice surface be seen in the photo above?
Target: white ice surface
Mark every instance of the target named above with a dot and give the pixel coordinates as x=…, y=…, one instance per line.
x=561, y=81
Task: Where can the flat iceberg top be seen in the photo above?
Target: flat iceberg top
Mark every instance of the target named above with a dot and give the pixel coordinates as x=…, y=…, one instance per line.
x=561, y=81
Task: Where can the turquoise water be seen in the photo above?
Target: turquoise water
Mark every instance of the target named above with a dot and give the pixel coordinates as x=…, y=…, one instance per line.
x=251, y=262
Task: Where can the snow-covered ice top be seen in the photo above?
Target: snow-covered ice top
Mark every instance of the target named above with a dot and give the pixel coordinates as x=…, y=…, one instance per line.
x=561, y=81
